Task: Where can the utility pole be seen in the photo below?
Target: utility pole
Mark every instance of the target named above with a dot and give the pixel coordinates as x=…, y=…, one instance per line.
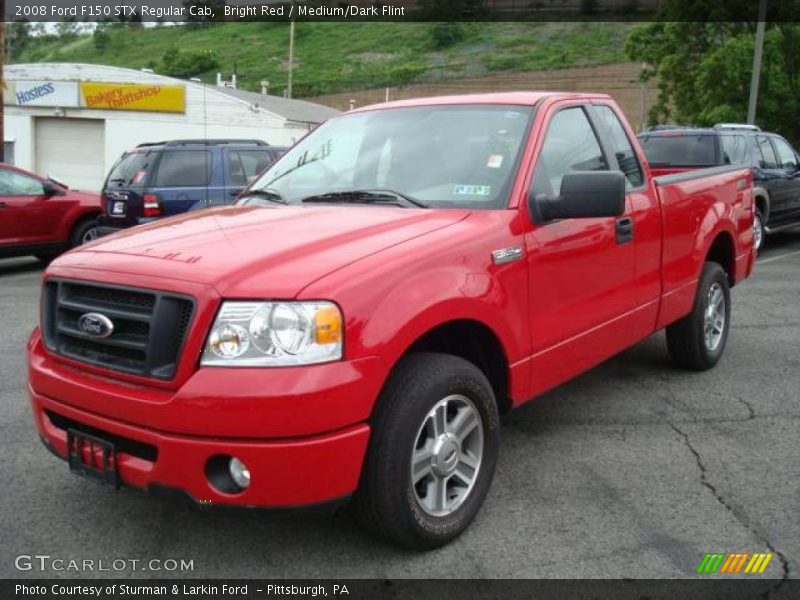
x=759, y=51
x=2, y=81
x=291, y=58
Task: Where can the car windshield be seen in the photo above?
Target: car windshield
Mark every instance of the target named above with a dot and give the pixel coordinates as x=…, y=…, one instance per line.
x=680, y=150
x=131, y=169
x=436, y=156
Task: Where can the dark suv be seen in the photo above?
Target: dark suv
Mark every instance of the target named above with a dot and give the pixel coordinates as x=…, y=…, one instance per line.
x=775, y=164
x=168, y=178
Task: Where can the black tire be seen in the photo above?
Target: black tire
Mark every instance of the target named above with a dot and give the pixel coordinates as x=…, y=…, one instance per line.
x=760, y=237
x=686, y=339
x=81, y=230
x=386, y=501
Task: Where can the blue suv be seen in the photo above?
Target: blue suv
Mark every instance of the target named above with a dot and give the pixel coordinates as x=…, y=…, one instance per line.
x=168, y=178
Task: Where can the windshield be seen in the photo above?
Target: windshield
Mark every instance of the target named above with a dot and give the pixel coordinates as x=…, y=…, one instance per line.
x=438, y=156
x=680, y=150
x=131, y=169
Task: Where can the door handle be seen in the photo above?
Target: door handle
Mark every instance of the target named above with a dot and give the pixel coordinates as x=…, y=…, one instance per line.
x=624, y=229
x=3, y=205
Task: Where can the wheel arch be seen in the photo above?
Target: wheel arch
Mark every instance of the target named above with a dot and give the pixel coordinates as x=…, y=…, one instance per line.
x=722, y=251
x=474, y=341
x=761, y=200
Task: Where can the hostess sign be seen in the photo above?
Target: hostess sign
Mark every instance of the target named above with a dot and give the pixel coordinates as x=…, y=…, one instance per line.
x=42, y=93
x=97, y=95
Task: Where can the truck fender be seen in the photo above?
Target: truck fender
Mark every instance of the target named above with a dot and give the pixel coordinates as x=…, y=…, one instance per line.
x=714, y=226
x=432, y=299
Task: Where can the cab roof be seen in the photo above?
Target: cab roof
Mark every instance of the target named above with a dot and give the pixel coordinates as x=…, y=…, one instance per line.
x=517, y=98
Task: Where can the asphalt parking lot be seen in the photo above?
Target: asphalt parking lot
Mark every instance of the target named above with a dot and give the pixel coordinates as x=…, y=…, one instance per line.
x=635, y=469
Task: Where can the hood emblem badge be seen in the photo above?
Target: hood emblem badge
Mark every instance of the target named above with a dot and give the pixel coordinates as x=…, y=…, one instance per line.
x=95, y=325
x=506, y=255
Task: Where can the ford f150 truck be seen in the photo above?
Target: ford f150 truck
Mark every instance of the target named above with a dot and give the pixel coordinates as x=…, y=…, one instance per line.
x=404, y=274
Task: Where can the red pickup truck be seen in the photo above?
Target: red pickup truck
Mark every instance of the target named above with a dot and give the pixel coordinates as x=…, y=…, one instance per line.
x=403, y=275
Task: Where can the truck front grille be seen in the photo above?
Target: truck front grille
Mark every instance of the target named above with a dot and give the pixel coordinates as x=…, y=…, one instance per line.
x=149, y=327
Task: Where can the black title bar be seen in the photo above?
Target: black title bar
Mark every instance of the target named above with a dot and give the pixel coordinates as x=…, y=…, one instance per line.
x=730, y=588
x=397, y=10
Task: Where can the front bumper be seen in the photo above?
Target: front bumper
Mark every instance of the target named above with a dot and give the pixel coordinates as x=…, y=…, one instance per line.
x=284, y=473
x=301, y=431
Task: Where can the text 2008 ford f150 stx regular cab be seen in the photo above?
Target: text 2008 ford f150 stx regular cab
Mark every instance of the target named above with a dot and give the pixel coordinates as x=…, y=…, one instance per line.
x=399, y=278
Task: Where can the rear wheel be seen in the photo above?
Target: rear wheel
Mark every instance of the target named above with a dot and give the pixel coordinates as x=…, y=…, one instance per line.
x=698, y=340
x=432, y=452
x=759, y=233
x=85, y=231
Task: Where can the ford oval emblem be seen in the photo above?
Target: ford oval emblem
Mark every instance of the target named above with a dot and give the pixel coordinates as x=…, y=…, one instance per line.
x=96, y=325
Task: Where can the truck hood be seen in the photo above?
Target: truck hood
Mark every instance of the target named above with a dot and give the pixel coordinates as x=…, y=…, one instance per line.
x=253, y=251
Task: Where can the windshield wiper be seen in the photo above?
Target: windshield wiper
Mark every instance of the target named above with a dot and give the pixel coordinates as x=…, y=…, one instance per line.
x=367, y=197
x=265, y=193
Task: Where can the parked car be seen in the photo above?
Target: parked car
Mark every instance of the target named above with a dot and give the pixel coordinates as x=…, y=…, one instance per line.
x=775, y=165
x=416, y=269
x=43, y=217
x=169, y=178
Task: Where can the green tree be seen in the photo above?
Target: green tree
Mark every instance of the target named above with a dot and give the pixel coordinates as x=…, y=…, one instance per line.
x=187, y=63
x=704, y=70
x=68, y=29
x=100, y=37
x=17, y=37
x=446, y=33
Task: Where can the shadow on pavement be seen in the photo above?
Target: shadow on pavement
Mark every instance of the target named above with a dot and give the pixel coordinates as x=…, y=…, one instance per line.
x=13, y=266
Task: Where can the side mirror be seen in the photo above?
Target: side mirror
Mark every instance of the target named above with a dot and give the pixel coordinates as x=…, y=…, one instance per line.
x=57, y=181
x=584, y=194
x=51, y=189
x=252, y=179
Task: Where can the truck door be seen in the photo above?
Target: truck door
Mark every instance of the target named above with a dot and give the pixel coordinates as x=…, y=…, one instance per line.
x=581, y=271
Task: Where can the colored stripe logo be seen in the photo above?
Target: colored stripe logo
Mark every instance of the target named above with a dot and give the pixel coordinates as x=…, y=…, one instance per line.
x=736, y=562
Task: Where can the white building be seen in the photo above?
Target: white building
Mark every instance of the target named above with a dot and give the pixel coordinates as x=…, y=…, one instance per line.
x=73, y=121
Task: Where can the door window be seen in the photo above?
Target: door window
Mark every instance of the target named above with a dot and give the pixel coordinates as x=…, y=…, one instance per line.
x=786, y=156
x=243, y=164
x=622, y=147
x=767, y=158
x=184, y=168
x=734, y=150
x=569, y=145
x=17, y=184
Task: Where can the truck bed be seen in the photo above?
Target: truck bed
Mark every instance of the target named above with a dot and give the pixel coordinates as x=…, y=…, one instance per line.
x=696, y=207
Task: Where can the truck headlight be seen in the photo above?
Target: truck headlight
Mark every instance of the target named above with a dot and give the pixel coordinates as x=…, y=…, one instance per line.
x=267, y=334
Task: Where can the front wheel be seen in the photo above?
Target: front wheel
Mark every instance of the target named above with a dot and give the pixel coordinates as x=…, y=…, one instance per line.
x=84, y=232
x=698, y=340
x=432, y=451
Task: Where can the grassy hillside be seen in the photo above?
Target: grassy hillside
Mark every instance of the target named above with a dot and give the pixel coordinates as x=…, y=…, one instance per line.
x=333, y=57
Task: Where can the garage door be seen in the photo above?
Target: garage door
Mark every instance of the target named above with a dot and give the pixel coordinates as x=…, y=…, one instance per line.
x=71, y=150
